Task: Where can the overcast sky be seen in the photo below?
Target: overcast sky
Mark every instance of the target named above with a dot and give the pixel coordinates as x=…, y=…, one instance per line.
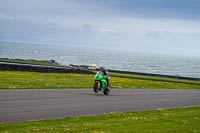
x=169, y=26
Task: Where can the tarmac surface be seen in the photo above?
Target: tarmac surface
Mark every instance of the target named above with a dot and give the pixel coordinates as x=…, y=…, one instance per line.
x=30, y=104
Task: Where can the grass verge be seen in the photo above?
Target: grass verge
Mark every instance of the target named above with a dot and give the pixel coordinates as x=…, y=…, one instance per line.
x=29, y=61
x=177, y=120
x=36, y=80
x=154, y=78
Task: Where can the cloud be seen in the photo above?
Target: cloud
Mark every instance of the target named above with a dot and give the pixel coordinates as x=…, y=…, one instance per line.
x=107, y=30
x=151, y=25
x=87, y=27
x=7, y=17
x=180, y=9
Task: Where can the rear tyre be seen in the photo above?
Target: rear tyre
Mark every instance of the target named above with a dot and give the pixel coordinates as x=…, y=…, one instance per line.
x=106, y=91
x=96, y=87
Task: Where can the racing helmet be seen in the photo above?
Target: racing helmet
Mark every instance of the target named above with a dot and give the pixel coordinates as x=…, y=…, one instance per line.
x=102, y=69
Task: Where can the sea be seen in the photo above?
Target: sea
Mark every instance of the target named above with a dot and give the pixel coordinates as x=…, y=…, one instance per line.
x=117, y=59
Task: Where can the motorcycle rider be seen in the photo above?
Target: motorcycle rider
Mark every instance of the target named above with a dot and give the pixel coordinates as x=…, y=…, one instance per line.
x=106, y=75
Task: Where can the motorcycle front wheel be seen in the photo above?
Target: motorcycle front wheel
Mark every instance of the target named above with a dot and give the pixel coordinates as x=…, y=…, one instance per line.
x=96, y=87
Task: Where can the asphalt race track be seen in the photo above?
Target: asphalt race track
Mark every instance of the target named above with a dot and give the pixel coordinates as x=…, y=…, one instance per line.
x=30, y=104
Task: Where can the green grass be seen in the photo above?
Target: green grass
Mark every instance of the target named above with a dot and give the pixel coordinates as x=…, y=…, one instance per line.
x=17, y=79
x=155, y=78
x=177, y=120
x=34, y=80
x=29, y=61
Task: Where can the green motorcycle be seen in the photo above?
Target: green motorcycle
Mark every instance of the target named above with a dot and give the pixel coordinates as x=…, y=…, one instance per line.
x=101, y=83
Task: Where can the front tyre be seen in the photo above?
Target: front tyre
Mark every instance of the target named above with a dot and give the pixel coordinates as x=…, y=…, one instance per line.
x=96, y=87
x=106, y=91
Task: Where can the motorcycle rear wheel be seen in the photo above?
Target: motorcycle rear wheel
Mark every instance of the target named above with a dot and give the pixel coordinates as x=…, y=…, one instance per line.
x=106, y=91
